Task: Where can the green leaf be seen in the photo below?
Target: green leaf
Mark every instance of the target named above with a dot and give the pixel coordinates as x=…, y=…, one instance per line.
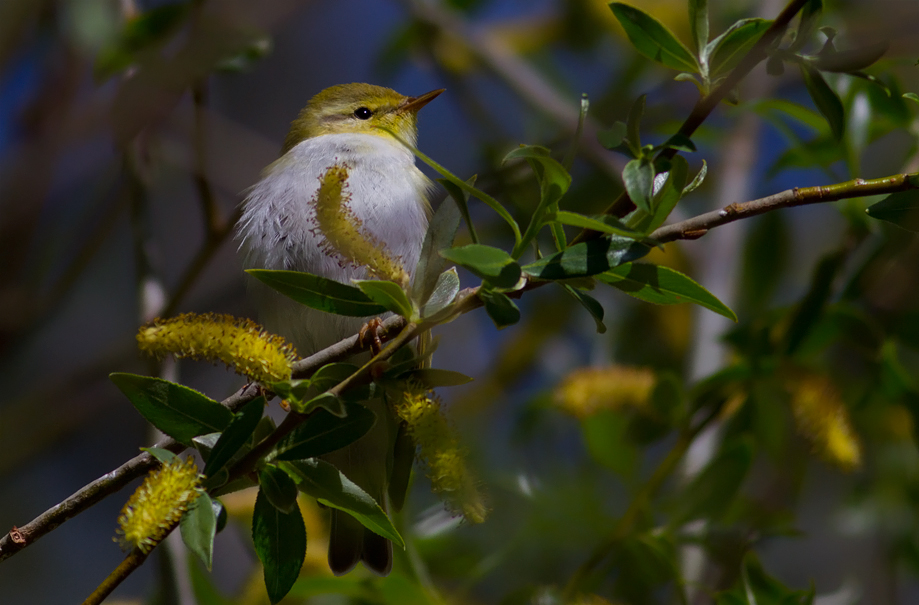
x=852, y=60
x=499, y=307
x=602, y=223
x=330, y=487
x=235, y=436
x=178, y=411
x=652, y=38
x=665, y=198
x=901, y=209
x=633, y=125
x=590, y=303
x=278, y=487
x=697, y=180
x=163, y=455
x=680, y=142
x=494, y=265
x=435, y=377
x=319, y=293
x=327, y=401
x=911, y=96
x=587, y=258
x=638, y=177
x=726, y=51
x=554, y=181
x=445, y=291
x=387, y=294
x=198, y=527
x=280, y=542
x=662, y=286
x=323, y=432
x=439, y=236
x=331, y=374
x=466, y=187
x=713, y=490
x=826, y=100
x=614, y=137
x=698, y=24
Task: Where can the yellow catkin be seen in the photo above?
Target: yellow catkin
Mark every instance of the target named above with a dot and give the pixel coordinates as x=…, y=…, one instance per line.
x=440, y=450
x=240, y=343
x=158, y=504
x=822, y=418
x=588, y=390
x=343, y=232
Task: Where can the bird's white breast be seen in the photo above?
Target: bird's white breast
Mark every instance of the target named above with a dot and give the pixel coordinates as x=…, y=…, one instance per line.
x=278, y=228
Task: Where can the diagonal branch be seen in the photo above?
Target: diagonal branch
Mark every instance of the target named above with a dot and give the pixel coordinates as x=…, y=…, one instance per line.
x=697, y=226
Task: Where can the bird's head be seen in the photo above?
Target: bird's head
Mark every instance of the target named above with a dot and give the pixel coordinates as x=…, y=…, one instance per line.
x=359, y=108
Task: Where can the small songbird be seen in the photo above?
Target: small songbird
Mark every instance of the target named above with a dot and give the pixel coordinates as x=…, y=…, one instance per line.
x=348, y=125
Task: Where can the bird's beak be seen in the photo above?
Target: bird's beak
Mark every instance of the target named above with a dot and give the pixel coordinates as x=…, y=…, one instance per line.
x=416, y=103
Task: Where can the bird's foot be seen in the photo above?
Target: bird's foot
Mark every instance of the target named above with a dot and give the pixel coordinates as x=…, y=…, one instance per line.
x=370, y=333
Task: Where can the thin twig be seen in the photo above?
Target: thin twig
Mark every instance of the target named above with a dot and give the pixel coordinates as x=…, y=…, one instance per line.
x=696, y=227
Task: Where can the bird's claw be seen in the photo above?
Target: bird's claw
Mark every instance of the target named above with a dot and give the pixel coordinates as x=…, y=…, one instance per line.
x=370, y=333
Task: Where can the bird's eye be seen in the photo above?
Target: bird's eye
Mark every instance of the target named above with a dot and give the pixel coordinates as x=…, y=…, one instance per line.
x=362, y=113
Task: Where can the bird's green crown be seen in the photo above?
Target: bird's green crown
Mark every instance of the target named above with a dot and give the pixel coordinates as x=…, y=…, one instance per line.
x=358, y=108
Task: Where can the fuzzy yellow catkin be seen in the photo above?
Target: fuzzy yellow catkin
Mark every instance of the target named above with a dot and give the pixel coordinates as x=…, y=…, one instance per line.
x=440, y=450
x=343, y=232
x=240, y=343
x=158, y=504
x=821, y=417
x=588, y=390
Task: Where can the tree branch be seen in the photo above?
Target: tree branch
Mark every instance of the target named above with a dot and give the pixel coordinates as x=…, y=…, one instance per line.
x=696, y=227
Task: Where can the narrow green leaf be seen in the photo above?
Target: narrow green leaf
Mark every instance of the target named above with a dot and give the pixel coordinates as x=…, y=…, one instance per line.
x=494, y=265
x=330, y=487
x=662, y=286
x=602, y=223
x=445, y=291
x=698, y=25
x=726, y=51
x=670, y=193
x=699, y=178
x=198, y=527
x=680, y=142
x=163, y=455
x=573, y=149
x=587, y=258
x=638, y=177
x=826, y=100
x=440, y=235
x=386, y=294
x=436, y=377
x=180, y=412
x=465, y=186
x=500, y=308
x=590, y=303
x=713, y=490
x=911, y=96
x=554, y=181
x=319, y=293
x=280, y=542
x=652, y=38
x=633, y=125
x=901, y=209
x=278, y=487
x=324, y=432
x=235, y=436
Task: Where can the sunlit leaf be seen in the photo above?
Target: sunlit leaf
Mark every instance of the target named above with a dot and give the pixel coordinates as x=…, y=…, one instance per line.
x=652, y=38
x=386, y=294
x=491, y=264
x=180, y=412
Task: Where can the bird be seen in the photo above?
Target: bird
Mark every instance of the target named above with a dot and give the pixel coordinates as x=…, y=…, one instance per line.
x=350, y=125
